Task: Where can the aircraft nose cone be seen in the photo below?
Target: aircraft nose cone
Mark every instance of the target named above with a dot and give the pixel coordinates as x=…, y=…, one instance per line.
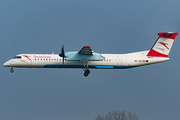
x=7, y=64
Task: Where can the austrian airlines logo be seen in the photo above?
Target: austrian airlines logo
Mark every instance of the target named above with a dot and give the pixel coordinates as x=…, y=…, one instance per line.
x=27, y=57
x=164, y=44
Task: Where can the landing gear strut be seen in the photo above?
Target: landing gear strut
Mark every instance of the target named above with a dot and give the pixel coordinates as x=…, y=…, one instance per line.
x=11, y=70
x=86, y=70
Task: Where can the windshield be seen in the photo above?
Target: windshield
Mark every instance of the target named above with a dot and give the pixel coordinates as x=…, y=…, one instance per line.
x=17, y=57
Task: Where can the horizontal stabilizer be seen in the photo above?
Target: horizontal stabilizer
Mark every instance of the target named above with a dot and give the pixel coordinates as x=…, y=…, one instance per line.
x=169, y=35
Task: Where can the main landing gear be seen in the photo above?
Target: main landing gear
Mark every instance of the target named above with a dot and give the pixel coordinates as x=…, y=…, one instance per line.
x=86, y=73
x=11, y=70
x=86, y=70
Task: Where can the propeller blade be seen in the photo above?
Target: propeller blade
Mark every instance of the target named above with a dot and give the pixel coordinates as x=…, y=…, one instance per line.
x=62, y=51
x=63, y=60
x=62, y=54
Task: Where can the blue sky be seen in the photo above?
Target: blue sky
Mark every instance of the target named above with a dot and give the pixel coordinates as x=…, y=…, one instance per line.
x=42, y=26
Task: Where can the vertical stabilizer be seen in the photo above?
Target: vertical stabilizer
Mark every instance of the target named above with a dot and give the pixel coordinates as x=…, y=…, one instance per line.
x=163, y=44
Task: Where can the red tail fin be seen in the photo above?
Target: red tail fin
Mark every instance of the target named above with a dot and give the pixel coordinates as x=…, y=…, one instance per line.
x=163, y=45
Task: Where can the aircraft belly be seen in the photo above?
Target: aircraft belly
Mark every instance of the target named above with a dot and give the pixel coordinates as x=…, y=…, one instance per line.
x=91, y=64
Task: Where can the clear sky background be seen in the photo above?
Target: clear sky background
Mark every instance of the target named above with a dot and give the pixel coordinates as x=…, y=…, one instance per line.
x=114, y=26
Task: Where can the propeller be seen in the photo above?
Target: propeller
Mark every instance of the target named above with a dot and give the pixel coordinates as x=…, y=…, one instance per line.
x=62, y=54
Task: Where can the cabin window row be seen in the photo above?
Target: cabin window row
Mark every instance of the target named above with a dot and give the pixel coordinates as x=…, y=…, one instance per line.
x=108, y=60
x=37, y=59
x=41, y=59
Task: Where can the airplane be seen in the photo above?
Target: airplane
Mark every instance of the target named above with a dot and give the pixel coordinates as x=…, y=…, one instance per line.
x=87, y=59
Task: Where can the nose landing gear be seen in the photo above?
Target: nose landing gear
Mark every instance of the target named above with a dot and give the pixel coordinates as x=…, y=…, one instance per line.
x=11, y=70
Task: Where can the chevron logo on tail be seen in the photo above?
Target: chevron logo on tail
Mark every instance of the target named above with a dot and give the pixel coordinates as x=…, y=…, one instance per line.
x=165, y=44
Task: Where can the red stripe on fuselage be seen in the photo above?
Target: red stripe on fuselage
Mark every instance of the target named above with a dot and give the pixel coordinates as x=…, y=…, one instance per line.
x=27, y=57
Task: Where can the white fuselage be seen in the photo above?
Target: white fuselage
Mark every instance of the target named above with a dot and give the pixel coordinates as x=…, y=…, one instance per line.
x=111, y=61
x=86, y=58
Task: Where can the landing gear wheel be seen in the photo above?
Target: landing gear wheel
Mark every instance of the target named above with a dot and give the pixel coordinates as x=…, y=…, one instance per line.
x=86, y=73
x=11, y=70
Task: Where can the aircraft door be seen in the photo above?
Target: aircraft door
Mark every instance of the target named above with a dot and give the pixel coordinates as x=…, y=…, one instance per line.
x=119, y=61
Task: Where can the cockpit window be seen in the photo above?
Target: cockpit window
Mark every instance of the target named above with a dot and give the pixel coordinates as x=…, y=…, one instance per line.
x=17, y=57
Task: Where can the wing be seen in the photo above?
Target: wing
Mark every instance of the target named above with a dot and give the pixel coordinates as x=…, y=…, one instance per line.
x=84, y=55
x=86, y=50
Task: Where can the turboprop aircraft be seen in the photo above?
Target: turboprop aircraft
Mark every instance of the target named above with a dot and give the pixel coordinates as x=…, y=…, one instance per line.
x=86, y=58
